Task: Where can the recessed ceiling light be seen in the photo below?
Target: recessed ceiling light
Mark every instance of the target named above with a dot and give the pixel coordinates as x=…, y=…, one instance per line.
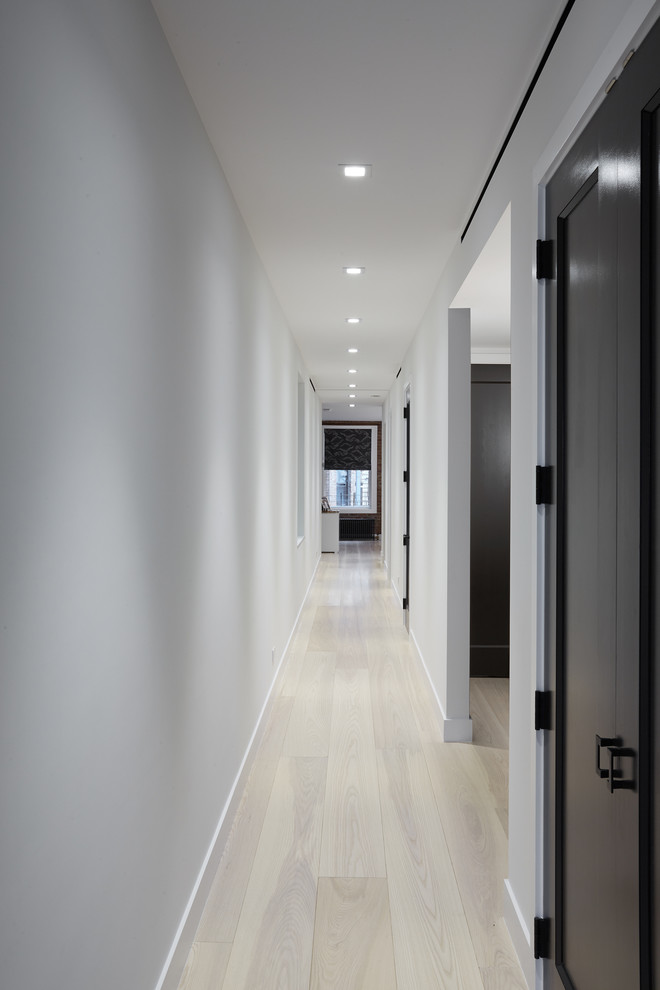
x=352, y=350
x=351, y=405
x=356, y=171
x=352, y=395
x=353, y=319
x=352, y=371
x=354, y=270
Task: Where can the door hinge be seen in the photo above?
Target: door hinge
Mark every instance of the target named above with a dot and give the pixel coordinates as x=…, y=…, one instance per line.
x=405, y=412
x=406, y=540
x=545, y=259
x=627, y=58
x=542, y=710
x=543, y=485
x=541, y=938
x=405, y=477
x=405, y=603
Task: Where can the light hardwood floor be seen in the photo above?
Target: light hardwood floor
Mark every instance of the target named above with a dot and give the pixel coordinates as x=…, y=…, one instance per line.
x=365, y=854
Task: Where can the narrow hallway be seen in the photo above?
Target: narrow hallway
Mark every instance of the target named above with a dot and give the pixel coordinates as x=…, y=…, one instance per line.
x=364, y=852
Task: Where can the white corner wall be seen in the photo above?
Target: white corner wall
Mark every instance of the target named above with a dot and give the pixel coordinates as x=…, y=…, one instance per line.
x=598, y=34
x=148, y=552
x=440, y=505
x=456, y=707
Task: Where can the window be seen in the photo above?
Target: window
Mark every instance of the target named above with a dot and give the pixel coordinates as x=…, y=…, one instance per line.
x=350, y=464
x=348, y=489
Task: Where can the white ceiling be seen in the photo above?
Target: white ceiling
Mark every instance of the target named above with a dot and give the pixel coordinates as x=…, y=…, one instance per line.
x=423, y=90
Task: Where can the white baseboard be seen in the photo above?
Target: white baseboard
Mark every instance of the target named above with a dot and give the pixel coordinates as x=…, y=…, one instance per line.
x=288, y=642
x=169, y=979
x=453, y=729
x=520, y=935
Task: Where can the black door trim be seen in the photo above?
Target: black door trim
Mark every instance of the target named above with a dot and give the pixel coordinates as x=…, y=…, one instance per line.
x=560, y=673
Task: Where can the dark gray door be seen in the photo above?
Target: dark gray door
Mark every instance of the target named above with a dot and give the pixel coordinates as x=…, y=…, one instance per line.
x=598, y=941
x=599, y=618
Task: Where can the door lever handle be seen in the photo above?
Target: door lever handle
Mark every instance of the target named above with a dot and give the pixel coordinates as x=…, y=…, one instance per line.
x=601, y=742
x=617, y=780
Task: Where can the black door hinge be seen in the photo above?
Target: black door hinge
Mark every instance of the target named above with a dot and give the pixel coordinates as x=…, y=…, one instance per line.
x=405, y=603
x=545, y=259
x=405, y=412
x=405, y=540
x=541, y=938
x=405, y=477
x=542, y=710
x=543, y=485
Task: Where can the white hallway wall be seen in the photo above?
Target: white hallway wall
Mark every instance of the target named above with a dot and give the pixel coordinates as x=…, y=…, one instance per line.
x=148, y=552
x=598, y=34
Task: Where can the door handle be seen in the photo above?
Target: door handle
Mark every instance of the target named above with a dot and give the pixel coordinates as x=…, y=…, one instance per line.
x=603, y=741
x=616, y=777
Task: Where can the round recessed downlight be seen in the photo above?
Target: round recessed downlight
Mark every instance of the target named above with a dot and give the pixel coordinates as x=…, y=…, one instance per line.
x=352, y=350
x=354, y=270
x=352, y=371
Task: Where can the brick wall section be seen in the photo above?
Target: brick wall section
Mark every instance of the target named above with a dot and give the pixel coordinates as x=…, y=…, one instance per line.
x=379, y=469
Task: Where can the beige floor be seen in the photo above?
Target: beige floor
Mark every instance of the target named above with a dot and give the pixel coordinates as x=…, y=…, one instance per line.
x=365, y=853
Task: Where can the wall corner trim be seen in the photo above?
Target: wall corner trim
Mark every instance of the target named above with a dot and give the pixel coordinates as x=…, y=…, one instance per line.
x=457, y=729
x=453, y=729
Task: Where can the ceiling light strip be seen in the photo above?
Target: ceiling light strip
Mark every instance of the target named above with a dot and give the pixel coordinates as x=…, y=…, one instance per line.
x=356, y=171
x=546, y=55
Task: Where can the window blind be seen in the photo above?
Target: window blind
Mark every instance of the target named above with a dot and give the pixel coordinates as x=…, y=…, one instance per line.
x=347, y=450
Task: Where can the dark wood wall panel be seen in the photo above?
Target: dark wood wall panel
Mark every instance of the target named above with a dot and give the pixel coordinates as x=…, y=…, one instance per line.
x=489, y=520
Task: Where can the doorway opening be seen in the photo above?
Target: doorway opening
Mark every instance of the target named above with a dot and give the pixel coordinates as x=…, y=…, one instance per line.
x=486, y=292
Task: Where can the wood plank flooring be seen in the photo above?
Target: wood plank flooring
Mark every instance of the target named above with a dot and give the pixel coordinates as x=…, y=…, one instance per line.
x=365, y=854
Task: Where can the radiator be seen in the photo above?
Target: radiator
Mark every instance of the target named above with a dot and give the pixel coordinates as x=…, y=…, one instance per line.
x=356, y=529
